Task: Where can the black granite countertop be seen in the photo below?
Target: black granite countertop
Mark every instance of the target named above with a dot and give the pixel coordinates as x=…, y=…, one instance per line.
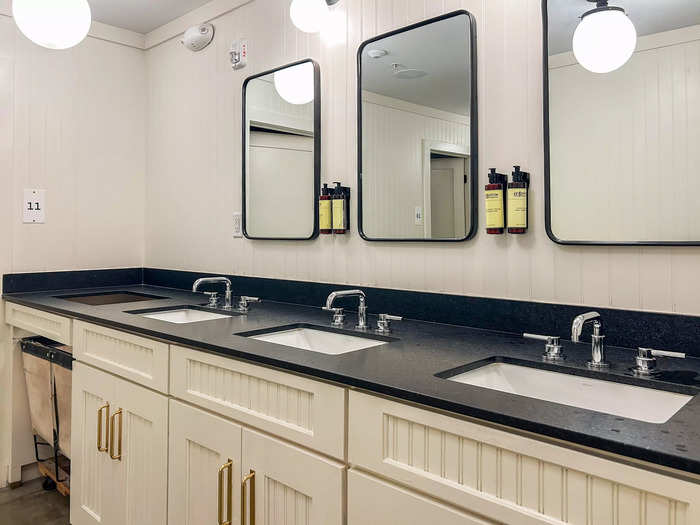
x=407, y=368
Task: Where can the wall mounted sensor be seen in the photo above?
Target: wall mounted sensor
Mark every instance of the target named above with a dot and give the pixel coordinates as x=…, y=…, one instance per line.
x=239, y=54
x=198, y=37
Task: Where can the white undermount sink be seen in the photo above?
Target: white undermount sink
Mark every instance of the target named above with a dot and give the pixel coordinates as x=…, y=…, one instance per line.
x=618, y=399
x=184, y=315
x=331, y=343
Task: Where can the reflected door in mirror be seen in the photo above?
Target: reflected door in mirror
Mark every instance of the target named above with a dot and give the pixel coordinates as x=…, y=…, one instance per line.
x=418, y=122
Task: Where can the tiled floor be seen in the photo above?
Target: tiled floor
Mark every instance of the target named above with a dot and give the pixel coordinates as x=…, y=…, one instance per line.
x=31, y=505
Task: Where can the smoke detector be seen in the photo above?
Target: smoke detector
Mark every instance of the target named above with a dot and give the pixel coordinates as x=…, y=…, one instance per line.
x=198, y=37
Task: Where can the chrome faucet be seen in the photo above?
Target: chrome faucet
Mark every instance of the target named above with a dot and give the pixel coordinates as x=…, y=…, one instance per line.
x=338, y=317
x=597, y=346
x=213, y=301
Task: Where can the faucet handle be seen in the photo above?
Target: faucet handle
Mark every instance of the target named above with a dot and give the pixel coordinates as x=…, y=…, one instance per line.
x=384, y=322
x=213, y=299
x=338, y=316
x=646, y=361
x=243, y=302
x=552, y=348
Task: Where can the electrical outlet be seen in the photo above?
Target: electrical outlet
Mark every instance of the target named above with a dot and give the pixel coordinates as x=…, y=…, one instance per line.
x=34, y=207
x=418, y=216
x=237, y=224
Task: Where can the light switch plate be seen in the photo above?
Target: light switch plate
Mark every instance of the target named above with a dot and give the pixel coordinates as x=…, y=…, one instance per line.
x=34, y=206
x=237, y=224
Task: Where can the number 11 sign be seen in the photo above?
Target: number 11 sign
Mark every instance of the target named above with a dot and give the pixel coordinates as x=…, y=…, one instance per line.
x=33, y=206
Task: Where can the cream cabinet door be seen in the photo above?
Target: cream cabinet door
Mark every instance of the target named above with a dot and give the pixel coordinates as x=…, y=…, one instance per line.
x=92, y=470
x=204, y=468
x=375, y=502
x=139, y=439
x=288, y=485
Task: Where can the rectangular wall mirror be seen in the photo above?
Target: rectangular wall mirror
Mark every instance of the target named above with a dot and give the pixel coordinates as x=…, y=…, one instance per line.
x=622, y=126
x=282, y=152
x=417, y=132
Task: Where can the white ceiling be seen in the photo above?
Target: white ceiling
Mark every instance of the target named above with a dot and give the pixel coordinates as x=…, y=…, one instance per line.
x=649, y=16
x=440, y=49
x=141, y=16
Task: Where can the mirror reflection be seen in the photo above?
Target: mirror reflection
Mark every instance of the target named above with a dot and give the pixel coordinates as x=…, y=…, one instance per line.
x=281, y=153
x=416, y=112
x=624, y=121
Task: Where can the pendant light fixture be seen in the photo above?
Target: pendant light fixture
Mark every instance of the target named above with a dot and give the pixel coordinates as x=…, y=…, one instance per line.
x=605, y=39
x=55, y=24
x=310, y=15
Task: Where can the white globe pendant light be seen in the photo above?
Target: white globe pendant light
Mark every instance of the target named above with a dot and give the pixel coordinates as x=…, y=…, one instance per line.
x=310, y=16
x=295, y=84
x=605, y=39
x=55, y=24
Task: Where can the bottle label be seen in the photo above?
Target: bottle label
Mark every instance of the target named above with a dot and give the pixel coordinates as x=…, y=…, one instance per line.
x=324, y=214
x=517, y=207
x=494, y=209
x=338, y=214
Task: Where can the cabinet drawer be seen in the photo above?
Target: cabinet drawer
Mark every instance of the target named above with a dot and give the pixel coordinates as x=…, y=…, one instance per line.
x=307, y=412
x=138, y=359
x=375, y=502
x=38, y=322
x=508, y=477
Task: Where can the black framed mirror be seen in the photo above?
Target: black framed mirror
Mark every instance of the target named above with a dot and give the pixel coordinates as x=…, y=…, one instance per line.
x=417, y=132
x=281, y=139
x=621, y=122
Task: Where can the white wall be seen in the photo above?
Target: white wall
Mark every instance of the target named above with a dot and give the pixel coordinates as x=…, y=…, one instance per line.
x=71, y=122
x=623, y=145
x=194, y=155
x=393, y=135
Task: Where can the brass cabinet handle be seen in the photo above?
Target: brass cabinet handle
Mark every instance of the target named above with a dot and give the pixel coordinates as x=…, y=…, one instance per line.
x=229, y=511
x=111, y=435
x=247, y=477
x=99, y=427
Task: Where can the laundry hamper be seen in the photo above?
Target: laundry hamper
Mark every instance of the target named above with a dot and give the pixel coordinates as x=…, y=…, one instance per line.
x=48, y=368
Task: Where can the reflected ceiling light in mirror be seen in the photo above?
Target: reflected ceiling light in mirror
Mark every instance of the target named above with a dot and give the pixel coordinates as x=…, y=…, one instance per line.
x=295, y=84
x=605, y=39
x=310, y=16
x=406, y=73
x=377, y=53
x=51, y=23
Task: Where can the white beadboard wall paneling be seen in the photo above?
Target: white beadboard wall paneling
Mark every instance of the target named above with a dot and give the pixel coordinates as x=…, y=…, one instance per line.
x=77, y=123
x=194, y=171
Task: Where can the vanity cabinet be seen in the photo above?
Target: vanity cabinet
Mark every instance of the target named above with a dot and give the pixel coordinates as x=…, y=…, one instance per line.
x=295, y=408
x=120, y=478
x=205, y=452
x=291, y=485
x=372, y=501
x=139, y=359
x=282, y=480
x=507, y=477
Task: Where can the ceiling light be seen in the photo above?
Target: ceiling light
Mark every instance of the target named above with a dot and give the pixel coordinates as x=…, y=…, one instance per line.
x=310, y=15
x=377, y=53
x=605, y=39
x=51, y=23
x=406, y=72
x=295, y=84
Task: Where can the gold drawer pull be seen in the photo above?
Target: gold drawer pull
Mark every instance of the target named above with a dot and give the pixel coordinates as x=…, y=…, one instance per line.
x=247, y=477
x=111, y=435
x=229, y=510
x=99, y=427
